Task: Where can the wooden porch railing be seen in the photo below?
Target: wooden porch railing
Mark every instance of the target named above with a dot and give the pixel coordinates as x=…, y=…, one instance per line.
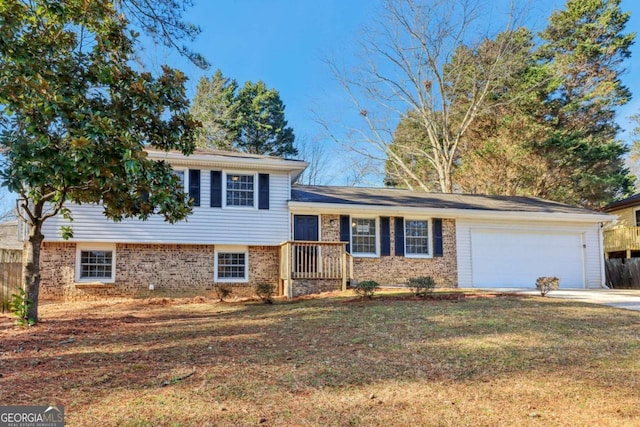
x=623, y=238
x=314, y=260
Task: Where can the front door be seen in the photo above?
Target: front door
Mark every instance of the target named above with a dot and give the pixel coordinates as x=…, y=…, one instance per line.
x=305, y=227
x=305, y=262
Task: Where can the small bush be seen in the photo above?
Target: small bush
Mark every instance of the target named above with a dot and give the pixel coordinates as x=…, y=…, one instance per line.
x=19, y=306
x=547, y=284
x=223, y=292
x=265, y=292
x=421, y=286
x=366, y=288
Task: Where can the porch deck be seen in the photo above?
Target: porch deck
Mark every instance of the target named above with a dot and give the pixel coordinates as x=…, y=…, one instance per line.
x=311, y=260
x=621, y=239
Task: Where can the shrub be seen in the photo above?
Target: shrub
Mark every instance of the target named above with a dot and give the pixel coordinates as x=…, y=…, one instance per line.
x=547, y=284
x=366, y=288
x=222, y=292
x=421, y=286
x=265, y=292
x=19, y=306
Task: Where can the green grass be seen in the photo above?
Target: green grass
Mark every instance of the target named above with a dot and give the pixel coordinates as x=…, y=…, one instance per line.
x=329, y=361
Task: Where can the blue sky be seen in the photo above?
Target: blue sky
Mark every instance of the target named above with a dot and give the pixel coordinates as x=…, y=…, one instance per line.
x=285, y=44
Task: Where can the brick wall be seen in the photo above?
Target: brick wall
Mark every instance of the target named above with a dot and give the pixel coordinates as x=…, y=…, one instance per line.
x=174, y=270
x=315, y=286
x=393, y=269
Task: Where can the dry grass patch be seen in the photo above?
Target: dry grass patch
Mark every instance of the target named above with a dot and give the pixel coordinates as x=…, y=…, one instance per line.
x=480, y=360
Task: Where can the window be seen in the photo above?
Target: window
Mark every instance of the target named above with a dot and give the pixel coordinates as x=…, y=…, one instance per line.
x=231, y=265
x=363, y=236
x=637, y=217
x=182, y=174
x=240, y=190
x=95, y=264
x=416, y=237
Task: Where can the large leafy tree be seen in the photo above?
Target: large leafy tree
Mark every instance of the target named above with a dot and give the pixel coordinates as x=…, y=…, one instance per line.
x=76, y=119
x=407, y=68
x=546, y=128
x=495, y=155
x=488, y=87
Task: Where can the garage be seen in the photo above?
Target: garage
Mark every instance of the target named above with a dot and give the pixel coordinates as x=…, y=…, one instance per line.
x=501, y=258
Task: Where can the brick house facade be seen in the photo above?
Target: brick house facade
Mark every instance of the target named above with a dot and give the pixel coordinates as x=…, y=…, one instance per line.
x=252, y=225
x=173, y=270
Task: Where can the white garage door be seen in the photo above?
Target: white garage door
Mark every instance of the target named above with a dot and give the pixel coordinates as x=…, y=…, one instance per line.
x=517, y=259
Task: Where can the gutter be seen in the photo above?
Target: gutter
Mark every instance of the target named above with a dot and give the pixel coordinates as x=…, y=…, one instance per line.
x=333, y=208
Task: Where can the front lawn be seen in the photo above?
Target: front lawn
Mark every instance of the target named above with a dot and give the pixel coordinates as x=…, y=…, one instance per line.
x=331, y=361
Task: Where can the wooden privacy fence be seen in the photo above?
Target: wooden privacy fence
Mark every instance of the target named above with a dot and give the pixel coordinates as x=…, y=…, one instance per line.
x=623, y=273
x=10, y=275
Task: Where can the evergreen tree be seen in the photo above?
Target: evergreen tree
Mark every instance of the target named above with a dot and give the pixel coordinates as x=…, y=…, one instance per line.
x=249, y=119
x=585, y=46
x=261, y=122
x=216, y=107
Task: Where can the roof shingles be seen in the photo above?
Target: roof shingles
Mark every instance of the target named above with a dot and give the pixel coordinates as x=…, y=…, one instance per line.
x=406, y=198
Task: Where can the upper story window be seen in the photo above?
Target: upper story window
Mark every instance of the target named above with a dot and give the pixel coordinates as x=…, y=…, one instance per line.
x=417, y=238
x=182, y=175
x=240, y=190
x=363, y=236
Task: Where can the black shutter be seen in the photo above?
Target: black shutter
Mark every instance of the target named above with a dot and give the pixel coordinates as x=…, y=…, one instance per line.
x=263, y=191
x=437, y=238
x=194, y=186
x=385, y=236
x=399, y=224
x=216, y=189
x=345, y=230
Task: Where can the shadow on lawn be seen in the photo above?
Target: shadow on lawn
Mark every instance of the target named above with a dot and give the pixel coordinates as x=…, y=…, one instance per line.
x=247, y=350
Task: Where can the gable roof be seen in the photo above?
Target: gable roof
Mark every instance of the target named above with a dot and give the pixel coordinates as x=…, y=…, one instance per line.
x=457, y=204
x=624, y=203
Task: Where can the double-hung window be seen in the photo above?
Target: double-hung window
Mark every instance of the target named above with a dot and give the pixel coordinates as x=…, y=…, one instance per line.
x=232, y=265
x=95, y=264
x=364, y=236
x=240, y=190
x=416, y=237
x=183, y=176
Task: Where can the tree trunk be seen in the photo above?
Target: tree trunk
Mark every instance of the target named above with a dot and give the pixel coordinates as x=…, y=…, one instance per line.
x=444, y=176
x=31, y=270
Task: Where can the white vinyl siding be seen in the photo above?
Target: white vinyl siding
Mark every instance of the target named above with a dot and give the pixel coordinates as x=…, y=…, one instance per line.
x=590, y=257
x=205, y=225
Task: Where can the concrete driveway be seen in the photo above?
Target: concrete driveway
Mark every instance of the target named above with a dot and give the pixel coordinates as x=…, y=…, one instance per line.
x=628, y=299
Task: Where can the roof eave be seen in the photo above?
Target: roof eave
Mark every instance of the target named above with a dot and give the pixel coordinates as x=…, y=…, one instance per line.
x=220, y=161
x=456, y=213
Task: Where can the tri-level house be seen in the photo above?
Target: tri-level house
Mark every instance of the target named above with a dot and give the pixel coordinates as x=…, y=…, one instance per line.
x=252, y=224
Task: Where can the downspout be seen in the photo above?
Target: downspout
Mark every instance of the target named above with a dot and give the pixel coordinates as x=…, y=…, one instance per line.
x=603, y=276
